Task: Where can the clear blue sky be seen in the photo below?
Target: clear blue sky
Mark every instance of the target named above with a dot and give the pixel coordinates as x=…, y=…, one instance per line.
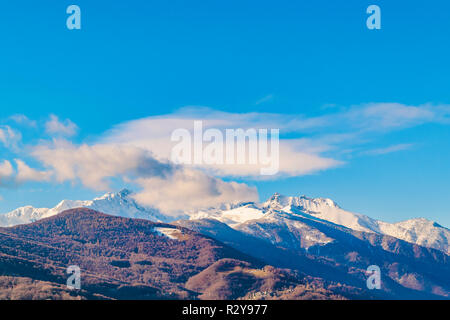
x=134, y=59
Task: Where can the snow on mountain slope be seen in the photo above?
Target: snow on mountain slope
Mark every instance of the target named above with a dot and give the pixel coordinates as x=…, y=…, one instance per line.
x=117, y=204
x=279, y=211
x=325, y=209
x=284, y=231
x=123, y=205
x=22, y=215
x=279, y=208
x=419, y=231
x=233, y=216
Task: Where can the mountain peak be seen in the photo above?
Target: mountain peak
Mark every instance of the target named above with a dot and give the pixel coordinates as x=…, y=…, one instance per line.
x=327, y=202
x=275, y=197
x=278, y=200
x=275, y=201
x=116, y=204
x=124, y=193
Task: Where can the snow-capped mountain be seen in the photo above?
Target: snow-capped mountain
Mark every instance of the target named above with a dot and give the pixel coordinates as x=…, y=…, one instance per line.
x=278, y=220
x=295, y=239
x=117, y=204
x=258, y=219
x=22, y=215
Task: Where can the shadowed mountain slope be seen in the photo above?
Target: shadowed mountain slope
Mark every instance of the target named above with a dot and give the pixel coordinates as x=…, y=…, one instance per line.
x=122, y=258
x=118, y=257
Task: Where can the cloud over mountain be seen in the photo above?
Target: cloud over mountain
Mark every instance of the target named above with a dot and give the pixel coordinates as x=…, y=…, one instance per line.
x=163, y=185
x=137, y=152
x=307, y=144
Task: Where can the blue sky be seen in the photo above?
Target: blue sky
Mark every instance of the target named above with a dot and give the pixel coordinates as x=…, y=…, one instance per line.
x=136, y=59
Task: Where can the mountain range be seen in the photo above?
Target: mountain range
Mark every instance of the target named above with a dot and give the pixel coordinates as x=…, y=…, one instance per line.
x=283, y=248
x=418, y=231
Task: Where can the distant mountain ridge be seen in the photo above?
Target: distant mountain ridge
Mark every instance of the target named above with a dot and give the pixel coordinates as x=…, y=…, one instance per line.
x=281, y=254
x=418, y=231
x=333, y=252
x=118, y=204
x=122, y=258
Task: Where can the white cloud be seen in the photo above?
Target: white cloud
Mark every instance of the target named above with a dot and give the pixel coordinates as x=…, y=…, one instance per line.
x=187, y=189
x=94, y=165
x=379, y=117
x=387, y=116
x=162, y=183
x=6, y=169
x=23, y=120
x=265, y=99
x=10, y=137
x=56, y=127
x=389, y=149
x=312, y=141
x=27, y=174
x=138, y=151
x=154, y=134
x=8, y=177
